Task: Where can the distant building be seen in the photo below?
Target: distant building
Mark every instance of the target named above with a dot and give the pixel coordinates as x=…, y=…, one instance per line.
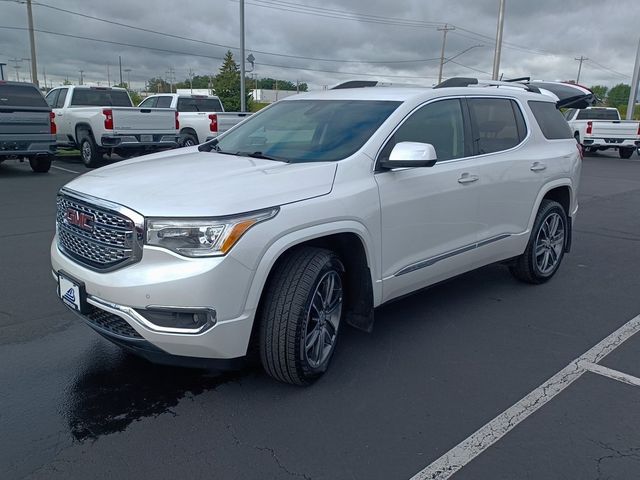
x=262, y=95
x=195, y=91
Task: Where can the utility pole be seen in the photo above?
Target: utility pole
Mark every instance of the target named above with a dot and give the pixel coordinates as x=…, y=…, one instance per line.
x=191, y=80
x=633, y=93
x=44, y=72
x=120, y=64
x=243, y=100
x=128, y=72
x=2, y=65
x=32, y=41
x=580, y=59
x=108, y=76
x=498, y=51
x=444, y=29
x=81, y=77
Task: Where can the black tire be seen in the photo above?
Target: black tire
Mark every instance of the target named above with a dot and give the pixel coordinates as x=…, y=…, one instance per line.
x=286, y=315
x=526, y=267
x=187, y=140
x=625, y=152
x=40, y=164
x=90, y=153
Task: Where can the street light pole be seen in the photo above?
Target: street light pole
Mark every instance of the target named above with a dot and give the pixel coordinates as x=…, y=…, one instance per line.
x=243, y=100
x=498, y=51
x=32, y=41
x=633, y=93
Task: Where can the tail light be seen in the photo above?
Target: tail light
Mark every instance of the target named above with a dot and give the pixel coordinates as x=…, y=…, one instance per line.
x=52, y=123
x=177, y=122
x=213, y=126
x=638, y=133
x=108, y=118
x=589, y=128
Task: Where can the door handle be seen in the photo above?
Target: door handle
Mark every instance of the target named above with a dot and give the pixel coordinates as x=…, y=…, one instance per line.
x=538, y=167
x=466, y=178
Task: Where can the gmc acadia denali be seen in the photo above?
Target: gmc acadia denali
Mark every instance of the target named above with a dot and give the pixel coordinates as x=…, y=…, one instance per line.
x=313, y=212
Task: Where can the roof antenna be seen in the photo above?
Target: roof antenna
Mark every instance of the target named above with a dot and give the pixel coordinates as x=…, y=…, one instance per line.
x=501, y=75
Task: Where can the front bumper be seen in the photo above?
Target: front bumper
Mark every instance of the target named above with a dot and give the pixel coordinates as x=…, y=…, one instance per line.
x=164, y=279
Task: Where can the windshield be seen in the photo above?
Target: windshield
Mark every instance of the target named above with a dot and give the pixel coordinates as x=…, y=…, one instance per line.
x=308, y=130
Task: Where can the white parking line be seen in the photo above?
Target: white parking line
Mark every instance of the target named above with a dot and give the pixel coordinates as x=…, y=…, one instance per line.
x=65, y=169
x=610, y=373
x=475, y=444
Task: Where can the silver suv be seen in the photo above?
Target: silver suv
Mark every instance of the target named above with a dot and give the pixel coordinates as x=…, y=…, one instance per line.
x=312, y=213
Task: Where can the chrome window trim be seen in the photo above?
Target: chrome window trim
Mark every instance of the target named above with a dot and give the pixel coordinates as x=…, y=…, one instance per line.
x=443, y=256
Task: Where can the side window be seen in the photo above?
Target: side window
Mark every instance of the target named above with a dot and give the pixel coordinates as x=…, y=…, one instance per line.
x=52, y=98
x=569, y=113
x=149, y=102
x=61, y=98
x=551, y=121
x=164, y=102
x=495, y=125
x=439, y=123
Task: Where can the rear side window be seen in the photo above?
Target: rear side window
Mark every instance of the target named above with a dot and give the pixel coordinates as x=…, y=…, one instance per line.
x=598, y=114
x=52, y=98
x=552, y=123
x=164, y=102
x=21, y=96
x=439, y=123
x=199, y=105
x=61, y=98
x=93, y=97
x=497, y=123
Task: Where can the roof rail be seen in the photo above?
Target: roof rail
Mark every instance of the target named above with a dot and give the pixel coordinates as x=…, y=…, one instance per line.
x=372, y=83
x=467, y=81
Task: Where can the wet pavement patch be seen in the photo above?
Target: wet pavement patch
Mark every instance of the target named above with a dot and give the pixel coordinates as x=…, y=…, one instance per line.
x=589, y=431
x=115, y=389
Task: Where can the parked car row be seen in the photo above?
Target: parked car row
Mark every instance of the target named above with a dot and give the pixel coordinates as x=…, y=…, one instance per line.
x=102, y=121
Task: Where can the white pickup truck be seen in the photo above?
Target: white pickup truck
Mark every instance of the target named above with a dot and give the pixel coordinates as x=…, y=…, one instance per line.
x=599, y=128
x=202, y=117
x=100, y=120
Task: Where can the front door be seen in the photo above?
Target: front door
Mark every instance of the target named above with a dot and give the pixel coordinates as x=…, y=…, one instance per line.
x=429, y=214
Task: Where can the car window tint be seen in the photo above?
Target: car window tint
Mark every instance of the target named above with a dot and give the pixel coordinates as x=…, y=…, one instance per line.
x=553, y=125
x=25, y=95
x=149, y=102
x=164, y=102
x=440, y=124
x=61, y=98
x=52, y=98
x=495, y=125
x=196, y=104
x=520, y=123
x=598, y=114
x=100, y=97
x=569, y=113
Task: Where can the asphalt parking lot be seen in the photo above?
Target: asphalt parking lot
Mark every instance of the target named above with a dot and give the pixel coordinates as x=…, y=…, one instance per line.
x=465, y=357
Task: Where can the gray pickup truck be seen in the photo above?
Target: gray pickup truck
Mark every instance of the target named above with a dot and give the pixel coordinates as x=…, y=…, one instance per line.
x=27, y=127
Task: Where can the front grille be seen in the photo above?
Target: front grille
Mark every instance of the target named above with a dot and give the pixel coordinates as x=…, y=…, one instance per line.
x=111, y=322
x=96, y=237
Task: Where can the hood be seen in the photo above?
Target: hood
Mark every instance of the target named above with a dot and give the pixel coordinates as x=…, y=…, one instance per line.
x=189, y=183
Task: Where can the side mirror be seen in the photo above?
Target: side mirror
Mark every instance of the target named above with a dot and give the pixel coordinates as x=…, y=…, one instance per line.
x=411, y=154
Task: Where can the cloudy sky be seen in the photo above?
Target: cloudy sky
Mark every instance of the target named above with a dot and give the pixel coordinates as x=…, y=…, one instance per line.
x=323, y=42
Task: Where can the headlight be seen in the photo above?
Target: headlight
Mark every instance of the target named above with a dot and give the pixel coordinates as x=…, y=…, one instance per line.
x=203, y=237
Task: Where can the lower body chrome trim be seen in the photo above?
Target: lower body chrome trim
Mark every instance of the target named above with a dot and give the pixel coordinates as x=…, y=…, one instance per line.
x=430, y=261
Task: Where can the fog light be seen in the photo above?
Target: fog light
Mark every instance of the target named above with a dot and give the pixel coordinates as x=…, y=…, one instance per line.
x=192, y=320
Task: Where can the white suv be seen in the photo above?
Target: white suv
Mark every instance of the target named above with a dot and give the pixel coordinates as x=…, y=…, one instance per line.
x=312, y=213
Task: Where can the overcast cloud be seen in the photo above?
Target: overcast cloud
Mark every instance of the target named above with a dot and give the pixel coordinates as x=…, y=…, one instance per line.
x=542, y=39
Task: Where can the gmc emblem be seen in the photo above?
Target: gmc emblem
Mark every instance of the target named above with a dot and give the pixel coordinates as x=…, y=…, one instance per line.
x=80, y=219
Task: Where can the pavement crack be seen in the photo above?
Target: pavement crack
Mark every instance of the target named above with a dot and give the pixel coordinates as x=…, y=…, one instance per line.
x=270, y=450
x=614, y=454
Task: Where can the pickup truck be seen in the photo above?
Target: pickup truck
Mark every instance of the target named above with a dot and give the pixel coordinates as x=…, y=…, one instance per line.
x=100, y=120
x=202, y=117
x=313, y=212
x=27, y=128
x=599, y=128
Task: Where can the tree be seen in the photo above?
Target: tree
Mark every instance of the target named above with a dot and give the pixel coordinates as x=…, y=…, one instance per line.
x=198, y=81
x=227, y=84
x=271, y=83
x=619, y=95
x=158, y=85
x=600, y=91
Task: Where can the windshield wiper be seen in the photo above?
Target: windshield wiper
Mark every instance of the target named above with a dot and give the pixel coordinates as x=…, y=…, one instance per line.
x=261, y=155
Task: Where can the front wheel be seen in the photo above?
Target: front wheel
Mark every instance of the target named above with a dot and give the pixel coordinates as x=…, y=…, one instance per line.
x=625, y=152
x=545, y=250
x=301, y=315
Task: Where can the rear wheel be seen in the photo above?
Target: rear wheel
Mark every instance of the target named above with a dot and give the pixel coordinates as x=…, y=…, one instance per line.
x=625, y=152
x=89, y=151
x=541, y=259
x=40, y=164
x=187, y=140
x=301, y=315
